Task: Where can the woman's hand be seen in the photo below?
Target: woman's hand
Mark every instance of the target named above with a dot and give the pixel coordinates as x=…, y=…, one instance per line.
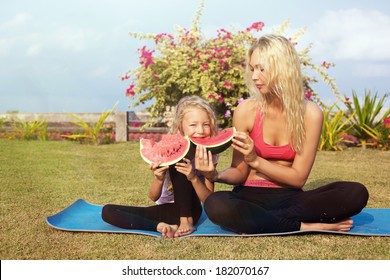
x=185, y=167
x=204, y=163
x=243, y=143
x=159, y=172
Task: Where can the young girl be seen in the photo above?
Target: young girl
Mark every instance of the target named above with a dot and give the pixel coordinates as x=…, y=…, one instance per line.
x=274, y=149
x=178, y=207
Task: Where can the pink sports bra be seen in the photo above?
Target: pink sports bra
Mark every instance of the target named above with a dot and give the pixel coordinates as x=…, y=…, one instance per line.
x=267, y=151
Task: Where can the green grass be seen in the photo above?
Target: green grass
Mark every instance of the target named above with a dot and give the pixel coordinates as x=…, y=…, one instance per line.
x=38, y=179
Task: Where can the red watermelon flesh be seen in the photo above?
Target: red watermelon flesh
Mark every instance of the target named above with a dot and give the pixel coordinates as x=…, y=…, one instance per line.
x=216, y=144
x=169, y=150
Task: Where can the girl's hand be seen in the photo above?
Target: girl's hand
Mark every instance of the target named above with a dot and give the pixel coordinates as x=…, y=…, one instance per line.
x=159, y=172
x=185, y=167
x=204, y=163
x=243, y=143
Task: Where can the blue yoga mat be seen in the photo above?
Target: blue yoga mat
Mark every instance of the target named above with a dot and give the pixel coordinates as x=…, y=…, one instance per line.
x=86, y=217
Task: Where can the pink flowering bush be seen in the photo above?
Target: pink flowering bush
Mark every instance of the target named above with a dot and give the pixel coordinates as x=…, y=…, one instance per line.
x=187, y=63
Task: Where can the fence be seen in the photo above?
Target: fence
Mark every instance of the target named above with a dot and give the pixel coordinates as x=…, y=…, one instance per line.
x=126, y=125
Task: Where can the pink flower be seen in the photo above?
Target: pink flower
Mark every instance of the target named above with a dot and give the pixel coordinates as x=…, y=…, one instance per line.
x=258, y=26
x=386, y=121
x=308, y=94
x=125, y=77
x=160, y=37
x=325, y=64
x=292, y=42
x=223, y=64
x=146, y=57
x=212, y=96
x=130, y=90
x=228, y=84
x=240, y=100
x=227, y=36
x=220, y=98
x=228, y=114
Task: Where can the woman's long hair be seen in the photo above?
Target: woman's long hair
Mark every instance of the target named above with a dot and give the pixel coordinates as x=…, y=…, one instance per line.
x=284, y=79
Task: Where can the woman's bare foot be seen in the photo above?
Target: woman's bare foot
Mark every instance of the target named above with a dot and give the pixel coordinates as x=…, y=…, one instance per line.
x=166, y=230
x=186, y=226
x=344, y=225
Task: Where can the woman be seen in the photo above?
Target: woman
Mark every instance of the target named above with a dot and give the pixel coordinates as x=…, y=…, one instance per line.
x=275, y=146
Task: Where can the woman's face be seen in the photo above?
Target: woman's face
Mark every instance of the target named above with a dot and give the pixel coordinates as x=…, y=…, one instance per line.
x=196, y=123
x=258, y=74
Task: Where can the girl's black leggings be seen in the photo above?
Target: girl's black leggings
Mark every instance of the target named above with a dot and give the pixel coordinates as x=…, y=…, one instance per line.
x=187, y=204
x=266, y=210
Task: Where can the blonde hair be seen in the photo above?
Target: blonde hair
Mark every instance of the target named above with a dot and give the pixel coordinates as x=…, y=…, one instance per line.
x=192, y=102
x=284, y=79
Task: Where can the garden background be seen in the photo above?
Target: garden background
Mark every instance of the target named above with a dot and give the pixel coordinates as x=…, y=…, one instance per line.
x=68, y=56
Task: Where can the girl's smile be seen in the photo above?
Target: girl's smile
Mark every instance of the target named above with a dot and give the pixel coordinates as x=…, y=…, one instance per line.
x=196, y=123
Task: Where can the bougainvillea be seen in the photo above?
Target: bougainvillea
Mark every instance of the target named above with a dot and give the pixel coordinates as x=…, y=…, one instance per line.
x=188, y=63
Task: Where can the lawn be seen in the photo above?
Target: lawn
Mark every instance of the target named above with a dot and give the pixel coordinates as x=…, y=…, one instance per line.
x=38, y=179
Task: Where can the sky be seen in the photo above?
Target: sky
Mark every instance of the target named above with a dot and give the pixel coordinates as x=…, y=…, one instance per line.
x=68, y=55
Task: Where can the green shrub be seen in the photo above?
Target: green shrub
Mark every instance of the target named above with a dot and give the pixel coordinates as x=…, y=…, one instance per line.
x=336, y=124
x=2, y=123
x=380, y=135
x=90, y=131
x=30, y=130
x=366, y=118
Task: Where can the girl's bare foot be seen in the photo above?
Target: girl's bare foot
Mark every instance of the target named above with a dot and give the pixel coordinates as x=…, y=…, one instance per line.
x=344, y=225
x=166, y=230
x=186, y=226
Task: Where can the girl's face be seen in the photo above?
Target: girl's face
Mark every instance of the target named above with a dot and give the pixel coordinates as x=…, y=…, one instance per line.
x=196, y=123
x=258, y=74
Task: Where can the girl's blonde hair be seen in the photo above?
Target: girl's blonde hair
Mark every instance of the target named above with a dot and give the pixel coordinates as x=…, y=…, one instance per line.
x=186, y=103
x=282, y=69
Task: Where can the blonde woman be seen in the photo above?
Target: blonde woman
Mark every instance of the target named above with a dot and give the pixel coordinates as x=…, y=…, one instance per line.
x=178, y=207
x=275, y=146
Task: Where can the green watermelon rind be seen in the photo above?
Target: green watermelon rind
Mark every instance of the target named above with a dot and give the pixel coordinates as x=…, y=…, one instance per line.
x=219, y=147
x=171, y=162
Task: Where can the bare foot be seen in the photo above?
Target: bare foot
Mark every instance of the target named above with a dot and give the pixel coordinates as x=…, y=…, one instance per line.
x=186, y=226
x=344, y=225
x=166, y=230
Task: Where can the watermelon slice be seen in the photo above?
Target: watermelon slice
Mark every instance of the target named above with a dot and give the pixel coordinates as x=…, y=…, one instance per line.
x=218, y=143
x=169, y=150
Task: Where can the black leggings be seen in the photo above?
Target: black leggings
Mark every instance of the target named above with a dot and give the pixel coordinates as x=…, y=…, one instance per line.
x=265, y=210
x=187, y=204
